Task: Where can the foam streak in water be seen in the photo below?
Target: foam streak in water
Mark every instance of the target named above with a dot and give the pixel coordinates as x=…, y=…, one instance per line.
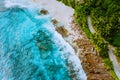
x=31, y=49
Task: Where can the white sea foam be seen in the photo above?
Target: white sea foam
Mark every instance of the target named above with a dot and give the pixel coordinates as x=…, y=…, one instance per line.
x=69, y=54
x=57, y=9
x=9, y=4
x=63, y=14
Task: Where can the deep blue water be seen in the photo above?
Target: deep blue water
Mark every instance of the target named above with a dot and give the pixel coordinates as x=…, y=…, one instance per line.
x=29, y=49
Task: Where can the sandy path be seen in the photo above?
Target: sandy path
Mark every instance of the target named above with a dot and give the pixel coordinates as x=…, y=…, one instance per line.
x=114, y=61
x=90, y=25
x=110, y=52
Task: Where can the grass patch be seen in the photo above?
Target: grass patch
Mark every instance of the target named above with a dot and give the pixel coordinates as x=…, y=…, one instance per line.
x=87, y=32
x=113, y=75
x=118, y=58
x=117, y=54
x=108, y=64
x=109, y=67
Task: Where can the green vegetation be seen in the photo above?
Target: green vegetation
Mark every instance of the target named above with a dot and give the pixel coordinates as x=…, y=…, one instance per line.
x=81, y=12
x=105, y=15
x=105, y=18
x=117, y=51
x=101, y=46
x=116, y=40
x=71, y=3
x=109, y=66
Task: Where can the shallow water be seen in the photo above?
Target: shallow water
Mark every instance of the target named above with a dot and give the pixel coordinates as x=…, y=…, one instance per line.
x=31, y=49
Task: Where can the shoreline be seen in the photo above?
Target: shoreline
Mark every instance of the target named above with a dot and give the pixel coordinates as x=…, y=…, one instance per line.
x=73, y=63
x=75, y=37
x=92, y=63
x=61, y=22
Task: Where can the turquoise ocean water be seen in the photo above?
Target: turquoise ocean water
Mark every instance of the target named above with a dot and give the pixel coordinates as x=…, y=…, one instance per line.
x=31, y=49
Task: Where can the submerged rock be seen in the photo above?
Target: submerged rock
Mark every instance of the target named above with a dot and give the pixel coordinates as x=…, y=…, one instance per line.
x=44, y=12
x=62, y=31
x=45, y=45
x=54, y=21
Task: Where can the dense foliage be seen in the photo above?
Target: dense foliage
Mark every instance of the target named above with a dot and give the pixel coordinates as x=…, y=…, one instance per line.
x=105, y=18
x=117, y=51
